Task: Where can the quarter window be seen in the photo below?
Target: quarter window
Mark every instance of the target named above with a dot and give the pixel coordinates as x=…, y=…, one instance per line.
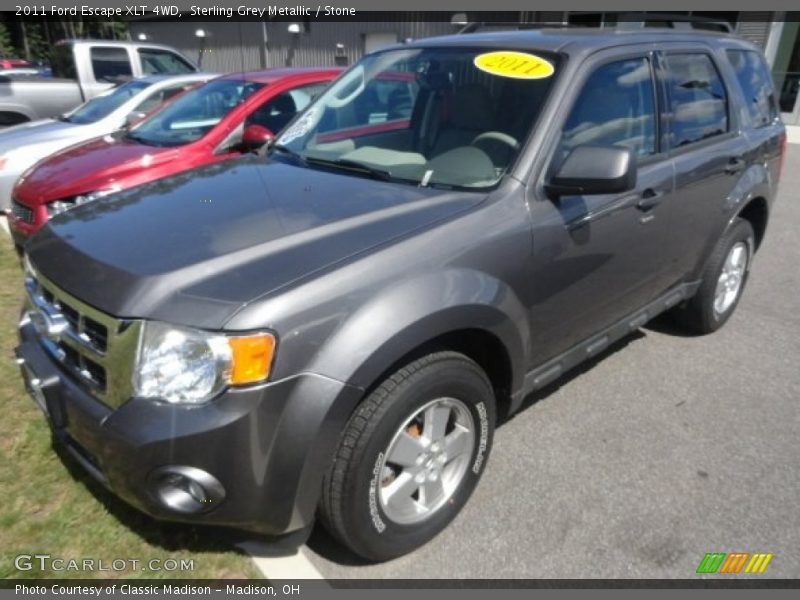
x=698, y=100
x=109, y=63
x=615, y=108
x=756, y=84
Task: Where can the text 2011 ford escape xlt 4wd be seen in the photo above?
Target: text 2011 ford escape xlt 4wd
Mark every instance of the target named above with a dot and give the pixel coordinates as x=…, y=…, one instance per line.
x=334, y=328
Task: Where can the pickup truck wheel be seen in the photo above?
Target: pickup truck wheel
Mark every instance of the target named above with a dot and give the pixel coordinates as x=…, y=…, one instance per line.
x=724, y=279
x=410, y=456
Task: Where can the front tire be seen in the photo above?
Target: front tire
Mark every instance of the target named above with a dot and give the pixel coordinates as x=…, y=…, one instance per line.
x=410, y=456
x=724, y=279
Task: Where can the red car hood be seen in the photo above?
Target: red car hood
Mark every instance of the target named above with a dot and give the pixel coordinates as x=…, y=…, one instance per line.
x=94, y=165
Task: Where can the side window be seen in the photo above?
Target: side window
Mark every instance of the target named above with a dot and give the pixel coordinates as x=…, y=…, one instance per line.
x=756, y=84
x=155, y=62
x=698, y=102
x=159, y=97
x=109, y=63
x=615, y=108
x=275, y=113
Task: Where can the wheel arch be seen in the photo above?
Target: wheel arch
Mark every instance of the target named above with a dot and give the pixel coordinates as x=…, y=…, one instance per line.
x=9, y=117
x=460, y=309
x=756, y=212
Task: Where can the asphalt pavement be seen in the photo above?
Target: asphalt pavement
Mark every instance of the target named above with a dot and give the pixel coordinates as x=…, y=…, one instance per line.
x=665, y=448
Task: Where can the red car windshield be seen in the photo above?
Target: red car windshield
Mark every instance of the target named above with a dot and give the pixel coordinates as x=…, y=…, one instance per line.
x=194, y=114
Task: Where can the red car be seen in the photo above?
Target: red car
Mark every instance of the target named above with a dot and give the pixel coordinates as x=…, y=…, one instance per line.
x=14, y=63
x=216, y=121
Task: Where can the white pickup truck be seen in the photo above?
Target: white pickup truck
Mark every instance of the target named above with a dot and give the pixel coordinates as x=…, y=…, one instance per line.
x=83, y=69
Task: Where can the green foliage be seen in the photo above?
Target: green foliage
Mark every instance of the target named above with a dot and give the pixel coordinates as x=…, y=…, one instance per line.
x=6, y=47
x=37, y=43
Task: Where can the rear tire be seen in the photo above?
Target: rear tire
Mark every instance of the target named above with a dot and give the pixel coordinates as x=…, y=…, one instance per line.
x=724, y=279
x=410, y=456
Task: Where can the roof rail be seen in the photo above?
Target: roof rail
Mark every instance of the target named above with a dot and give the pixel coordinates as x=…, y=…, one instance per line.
x=672, y=21
x=474, y=26
x=625, y=22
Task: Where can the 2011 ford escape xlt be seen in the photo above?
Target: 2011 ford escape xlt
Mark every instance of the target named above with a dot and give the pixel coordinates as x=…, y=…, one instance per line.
x=333, y=329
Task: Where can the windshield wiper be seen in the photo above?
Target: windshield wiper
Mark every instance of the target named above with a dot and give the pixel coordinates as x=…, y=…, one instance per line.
x=353, y=165
x=296, y=156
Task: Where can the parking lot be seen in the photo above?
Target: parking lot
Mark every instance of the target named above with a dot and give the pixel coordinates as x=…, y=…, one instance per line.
x=664, y=449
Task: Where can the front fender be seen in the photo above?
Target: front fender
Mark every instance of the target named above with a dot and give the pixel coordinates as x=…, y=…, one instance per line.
x=376, y=336
x=407, y=315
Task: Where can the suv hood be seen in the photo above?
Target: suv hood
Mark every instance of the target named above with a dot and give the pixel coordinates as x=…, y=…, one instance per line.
x=193, y=248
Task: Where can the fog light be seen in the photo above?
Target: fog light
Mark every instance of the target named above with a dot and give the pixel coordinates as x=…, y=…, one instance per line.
x=186, y=490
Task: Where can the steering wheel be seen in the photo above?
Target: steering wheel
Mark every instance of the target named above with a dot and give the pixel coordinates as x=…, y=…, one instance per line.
x=496, y=137
x=499, y=146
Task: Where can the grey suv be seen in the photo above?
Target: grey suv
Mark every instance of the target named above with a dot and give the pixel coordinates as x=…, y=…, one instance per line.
x=333, y=329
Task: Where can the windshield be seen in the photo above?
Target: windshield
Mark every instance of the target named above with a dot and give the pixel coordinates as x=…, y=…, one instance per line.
x=102, y=106
x=446, y=117
x=194, y=114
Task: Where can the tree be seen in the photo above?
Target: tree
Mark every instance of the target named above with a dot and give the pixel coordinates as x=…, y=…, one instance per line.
x=6, y=47
x=37, y=44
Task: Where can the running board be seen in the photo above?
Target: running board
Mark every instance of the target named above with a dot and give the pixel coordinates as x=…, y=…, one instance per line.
x=555, y=367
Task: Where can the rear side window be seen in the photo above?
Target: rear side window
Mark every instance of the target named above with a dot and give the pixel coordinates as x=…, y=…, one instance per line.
x=155, y=62
x=62, y=62
x=756, y=84
x=615, y=108
x=109, y=63
x=698, y=102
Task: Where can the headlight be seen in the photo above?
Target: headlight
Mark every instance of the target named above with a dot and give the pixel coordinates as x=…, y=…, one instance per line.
x=59, y=206
x=188, y=366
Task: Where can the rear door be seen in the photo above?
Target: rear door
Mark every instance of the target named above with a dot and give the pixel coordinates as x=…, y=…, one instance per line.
x=597, y=258
x=708, y=153
x=760, y=110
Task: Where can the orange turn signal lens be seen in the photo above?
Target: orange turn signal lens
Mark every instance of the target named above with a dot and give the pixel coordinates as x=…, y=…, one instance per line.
x=252, y=358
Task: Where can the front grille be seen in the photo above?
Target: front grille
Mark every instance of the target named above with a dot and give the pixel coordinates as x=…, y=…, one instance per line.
x=21, y=212
x=94, y=349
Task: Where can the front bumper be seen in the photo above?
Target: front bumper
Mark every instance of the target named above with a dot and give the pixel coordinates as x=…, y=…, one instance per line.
x=268, y=447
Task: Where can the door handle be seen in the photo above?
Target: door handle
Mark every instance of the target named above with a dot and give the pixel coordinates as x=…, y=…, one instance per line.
x=735, y=165
x=649, y=200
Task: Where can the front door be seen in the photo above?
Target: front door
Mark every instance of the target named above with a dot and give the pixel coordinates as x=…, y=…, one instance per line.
x=597, y=258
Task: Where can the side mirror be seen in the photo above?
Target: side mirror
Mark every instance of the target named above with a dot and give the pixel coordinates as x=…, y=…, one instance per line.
x=594, y=170
x=133, y=118
x=256, y=136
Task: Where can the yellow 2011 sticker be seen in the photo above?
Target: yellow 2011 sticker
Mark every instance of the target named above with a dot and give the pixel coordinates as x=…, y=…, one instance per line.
x=518, y=65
